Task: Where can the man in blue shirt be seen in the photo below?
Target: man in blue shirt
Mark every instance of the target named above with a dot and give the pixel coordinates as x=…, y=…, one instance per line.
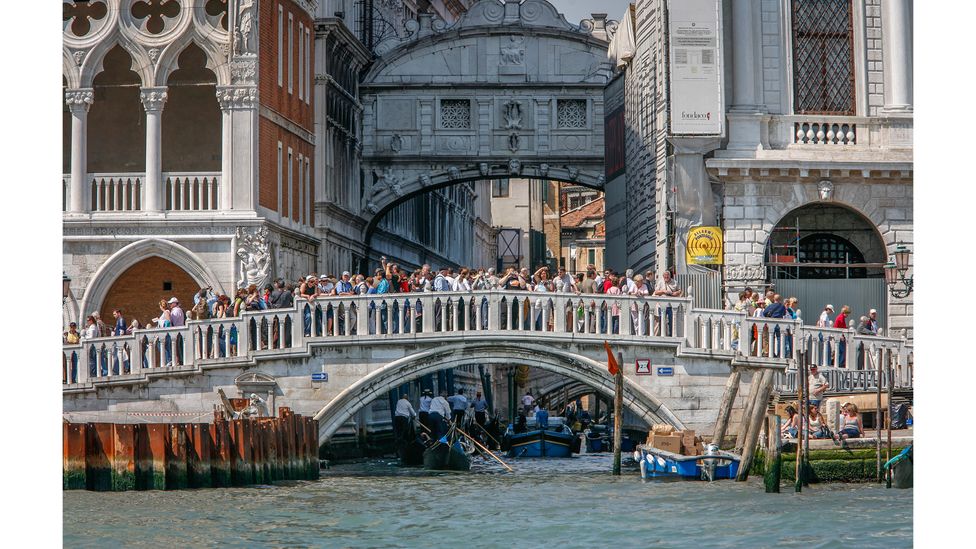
x=119, y=323
x=480, y=406
x=459, y=405
x=776, y=309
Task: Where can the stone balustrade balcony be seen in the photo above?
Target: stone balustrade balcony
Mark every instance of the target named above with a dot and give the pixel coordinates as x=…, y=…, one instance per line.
x=115, y=193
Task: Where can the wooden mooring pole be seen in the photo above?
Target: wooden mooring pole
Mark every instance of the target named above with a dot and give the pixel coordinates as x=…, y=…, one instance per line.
x=877, y=418
x=773, y=457
x=891, y=394
x=618, y=413
x=743, y=430
x=805, y=463
x=801, y=375
x=725, y=408
x=765, y=382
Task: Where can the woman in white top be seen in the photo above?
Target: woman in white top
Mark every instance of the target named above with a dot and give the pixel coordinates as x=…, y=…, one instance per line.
x=462, y=282
x=640, y=289
x=542, y=285
x=91, y=330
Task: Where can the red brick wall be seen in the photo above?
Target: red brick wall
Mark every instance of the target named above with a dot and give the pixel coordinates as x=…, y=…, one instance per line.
x=288, y=105
x=270, y=134
x=138, y=290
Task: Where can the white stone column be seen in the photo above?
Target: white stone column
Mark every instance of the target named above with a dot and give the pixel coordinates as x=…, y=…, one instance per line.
x=746, y=116
x=153, y=100
x=896, y=26
x=239, y=177
x=79, y=100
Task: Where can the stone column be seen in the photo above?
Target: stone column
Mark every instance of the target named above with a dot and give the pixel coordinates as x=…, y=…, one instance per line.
x=239, y=151
x=79, y=100
x=746, y=116
x=153, y=100
x=896, y=23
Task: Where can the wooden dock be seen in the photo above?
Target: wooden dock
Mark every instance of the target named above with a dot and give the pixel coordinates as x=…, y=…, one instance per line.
x=172, y=456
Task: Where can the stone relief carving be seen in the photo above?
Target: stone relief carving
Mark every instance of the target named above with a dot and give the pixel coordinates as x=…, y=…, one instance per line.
x=388, y=179
x=745, y=272
x=512, y=114
x=79, y=98
x=513, y=53
x=243, y=41
x=601, y=179
x=153, y=99
x=372, y=208
x=573, y=173
x=243, y=71
x=483, y=168
x=154, y=55
x=513, y=142
x=826, y=189
x=79, y=57
x=424, y=180
x=232, y=97
x=453, y=172
x=254, y=251
x=514, y=167
x=543, y=169
x=396, y=143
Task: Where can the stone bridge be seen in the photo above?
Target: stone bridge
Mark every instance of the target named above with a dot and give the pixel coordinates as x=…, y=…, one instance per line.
x=676, y=358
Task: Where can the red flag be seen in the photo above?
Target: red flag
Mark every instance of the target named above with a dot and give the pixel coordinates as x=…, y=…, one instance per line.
x=612, y=365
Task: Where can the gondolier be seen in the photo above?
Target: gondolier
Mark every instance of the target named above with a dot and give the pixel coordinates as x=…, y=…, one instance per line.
x=459, y=405
x=480, y=406
x=424, y=413
x=439, y=410
x=403, y=417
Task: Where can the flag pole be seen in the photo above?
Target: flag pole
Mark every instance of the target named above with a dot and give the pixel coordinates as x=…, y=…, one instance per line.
x=618, y=413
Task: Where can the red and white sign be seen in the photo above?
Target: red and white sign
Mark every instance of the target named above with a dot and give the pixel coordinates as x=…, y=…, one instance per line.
x=643, y=367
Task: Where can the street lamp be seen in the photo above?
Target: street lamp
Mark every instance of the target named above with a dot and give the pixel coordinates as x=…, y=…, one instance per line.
x=895, y=270
x=65, y=288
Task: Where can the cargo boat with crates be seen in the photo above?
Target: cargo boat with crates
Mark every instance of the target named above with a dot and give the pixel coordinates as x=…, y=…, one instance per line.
x=714, y=464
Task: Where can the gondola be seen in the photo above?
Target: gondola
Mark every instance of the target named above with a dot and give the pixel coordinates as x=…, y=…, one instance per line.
x=447, y=454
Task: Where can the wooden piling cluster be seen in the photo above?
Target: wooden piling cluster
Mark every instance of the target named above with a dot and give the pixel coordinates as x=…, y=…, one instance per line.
x=172, y=456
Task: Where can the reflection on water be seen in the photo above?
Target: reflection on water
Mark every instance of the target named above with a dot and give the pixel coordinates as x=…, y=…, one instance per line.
x=570, y=503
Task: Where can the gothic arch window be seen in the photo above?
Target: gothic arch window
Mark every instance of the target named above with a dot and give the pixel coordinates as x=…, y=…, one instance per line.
x=829, y=248
x=823, y=57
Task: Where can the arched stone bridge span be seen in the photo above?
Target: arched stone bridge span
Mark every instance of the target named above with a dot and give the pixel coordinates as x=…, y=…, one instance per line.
x=376, y=342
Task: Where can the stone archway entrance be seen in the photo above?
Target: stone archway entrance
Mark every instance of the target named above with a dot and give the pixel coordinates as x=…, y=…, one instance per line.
x=138, y=290
x=577, y=367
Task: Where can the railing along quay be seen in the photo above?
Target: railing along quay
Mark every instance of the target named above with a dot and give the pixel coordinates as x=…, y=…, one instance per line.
x=431, y=316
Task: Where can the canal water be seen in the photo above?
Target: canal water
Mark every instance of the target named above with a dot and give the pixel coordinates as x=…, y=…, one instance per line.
x=545, y=503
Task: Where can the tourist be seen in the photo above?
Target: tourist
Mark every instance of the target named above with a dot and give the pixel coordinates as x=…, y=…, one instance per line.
x=136, y=325
x=120, y=325
x=403, y=417
x=252, y=301
x=873, y=322
x=103, y=330
x=816, y=424
x=588, y=285
x=850, y=426
x=72, y=337
x=424, y=413
x=91, y=332
x=791, y=427
x=825, y=320
x=201, y=299
x=638, y=288
x=564, y=282
x=164, y=320
x=818, y=385
x=615, y=290
x=528, y=402
x=843, y=322
x=439, y=410
x=176, y=314
x=459, y=406
x=310, y=291
x=667, y=286
x=480, y=406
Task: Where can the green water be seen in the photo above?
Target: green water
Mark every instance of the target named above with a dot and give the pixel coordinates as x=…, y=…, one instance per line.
x=545, y=503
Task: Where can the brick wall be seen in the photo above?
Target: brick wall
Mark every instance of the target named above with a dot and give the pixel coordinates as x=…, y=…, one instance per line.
x=138, y=290
x=273, y=96
x=270, y=135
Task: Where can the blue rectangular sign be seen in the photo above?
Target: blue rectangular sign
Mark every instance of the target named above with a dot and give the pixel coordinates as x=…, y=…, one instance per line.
x=321, y=376
x=665, y=371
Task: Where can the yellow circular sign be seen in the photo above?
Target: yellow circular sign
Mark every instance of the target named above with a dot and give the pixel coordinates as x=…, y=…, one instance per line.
x=704, y=246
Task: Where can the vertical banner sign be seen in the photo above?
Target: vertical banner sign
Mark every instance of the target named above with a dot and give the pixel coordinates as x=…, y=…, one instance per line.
x=695, y=31
x=704, y=246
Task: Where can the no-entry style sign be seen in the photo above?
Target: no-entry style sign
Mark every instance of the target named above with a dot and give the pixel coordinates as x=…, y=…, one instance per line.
x=643, y=367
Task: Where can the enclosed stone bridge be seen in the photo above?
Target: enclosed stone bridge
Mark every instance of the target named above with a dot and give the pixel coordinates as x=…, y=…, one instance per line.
x=676, y=359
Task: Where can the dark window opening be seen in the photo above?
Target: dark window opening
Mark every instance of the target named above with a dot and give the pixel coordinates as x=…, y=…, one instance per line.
x=167, y=286
x=823, y=57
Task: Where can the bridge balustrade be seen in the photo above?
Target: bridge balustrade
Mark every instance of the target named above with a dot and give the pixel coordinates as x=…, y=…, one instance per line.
x=430, y=316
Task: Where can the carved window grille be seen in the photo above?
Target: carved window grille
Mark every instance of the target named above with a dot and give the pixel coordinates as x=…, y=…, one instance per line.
x=571, y=113
x=456, y=114
x=823, y=57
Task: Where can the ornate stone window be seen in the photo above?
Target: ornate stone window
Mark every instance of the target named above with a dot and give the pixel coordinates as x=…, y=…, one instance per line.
x=456, y=114
x=78, y=16
x=217, y=9
x=823, y=57
x=571, y=114
x=156, y=14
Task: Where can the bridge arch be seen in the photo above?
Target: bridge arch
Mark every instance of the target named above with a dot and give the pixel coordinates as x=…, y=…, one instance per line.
x=570, y=364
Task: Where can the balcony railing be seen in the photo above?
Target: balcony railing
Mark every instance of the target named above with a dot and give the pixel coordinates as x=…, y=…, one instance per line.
x=191, y=191
x=126, y=192
x=119, y=192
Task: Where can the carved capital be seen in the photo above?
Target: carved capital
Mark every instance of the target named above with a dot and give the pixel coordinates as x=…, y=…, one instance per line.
x=243, y=71
x=153, y=99
x=237, y=97
x=80, y=99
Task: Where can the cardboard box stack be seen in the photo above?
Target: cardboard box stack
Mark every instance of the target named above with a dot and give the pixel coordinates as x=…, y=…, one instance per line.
x=664, y=437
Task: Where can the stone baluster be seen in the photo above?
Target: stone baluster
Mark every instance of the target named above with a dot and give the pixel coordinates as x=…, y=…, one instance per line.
x=153, y=100
x=79, y=101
